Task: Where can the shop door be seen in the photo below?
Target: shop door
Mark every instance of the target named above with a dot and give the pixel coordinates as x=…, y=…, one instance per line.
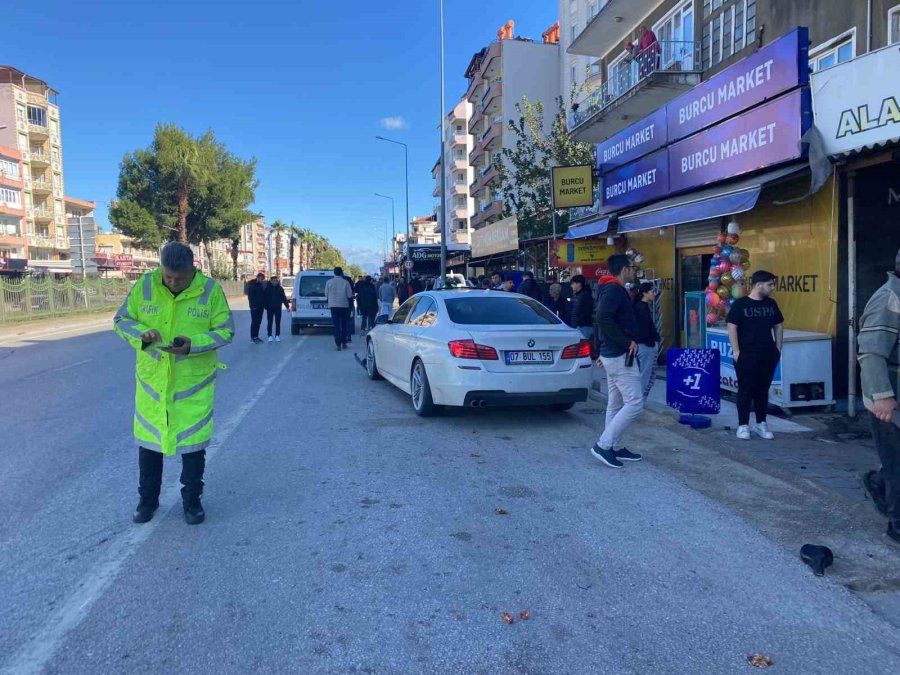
x=693, y=275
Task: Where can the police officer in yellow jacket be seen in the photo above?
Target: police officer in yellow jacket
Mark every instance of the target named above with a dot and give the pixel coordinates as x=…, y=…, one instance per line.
x=175, y=318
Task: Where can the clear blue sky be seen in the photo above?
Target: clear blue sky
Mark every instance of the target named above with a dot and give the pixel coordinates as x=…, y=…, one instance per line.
x=302, y=86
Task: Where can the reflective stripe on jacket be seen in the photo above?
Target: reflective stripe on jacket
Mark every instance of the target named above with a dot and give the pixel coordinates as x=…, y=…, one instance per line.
x=173, y=393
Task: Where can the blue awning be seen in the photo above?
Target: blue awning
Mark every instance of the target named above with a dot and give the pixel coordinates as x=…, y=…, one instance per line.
x=717, y=202
x=589, y=229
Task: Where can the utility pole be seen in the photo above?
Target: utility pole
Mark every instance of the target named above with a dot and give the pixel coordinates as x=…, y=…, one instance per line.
x=406, y=171
x=443, y=220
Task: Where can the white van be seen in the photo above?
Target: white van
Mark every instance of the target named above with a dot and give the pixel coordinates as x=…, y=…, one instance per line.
x=308, y=304
x=288, y=284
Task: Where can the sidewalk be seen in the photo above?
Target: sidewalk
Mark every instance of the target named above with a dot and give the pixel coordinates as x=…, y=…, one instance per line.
x=803, y=487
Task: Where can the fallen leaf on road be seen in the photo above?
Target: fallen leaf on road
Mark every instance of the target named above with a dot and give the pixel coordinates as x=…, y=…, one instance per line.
x=474, y=454
x=760, y=661
x=502, y=512
x=524, y=615
x=507, y=618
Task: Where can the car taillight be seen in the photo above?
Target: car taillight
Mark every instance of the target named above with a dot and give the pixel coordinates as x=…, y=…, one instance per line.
x=580, y=351
x=468, y=349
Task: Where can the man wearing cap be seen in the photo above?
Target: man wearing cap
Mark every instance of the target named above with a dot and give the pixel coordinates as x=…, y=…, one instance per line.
x=176, y=319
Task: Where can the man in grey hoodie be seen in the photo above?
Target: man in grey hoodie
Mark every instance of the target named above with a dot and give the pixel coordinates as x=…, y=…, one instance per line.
x=879, y=364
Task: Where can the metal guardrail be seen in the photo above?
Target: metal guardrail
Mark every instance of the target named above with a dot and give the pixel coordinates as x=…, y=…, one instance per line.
x=660, y=57
x=30, y=298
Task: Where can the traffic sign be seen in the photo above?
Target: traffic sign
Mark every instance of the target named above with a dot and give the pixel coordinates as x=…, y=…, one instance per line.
x=408, y=265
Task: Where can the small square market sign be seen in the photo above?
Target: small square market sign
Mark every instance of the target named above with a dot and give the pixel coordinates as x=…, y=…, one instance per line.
x=572, y=186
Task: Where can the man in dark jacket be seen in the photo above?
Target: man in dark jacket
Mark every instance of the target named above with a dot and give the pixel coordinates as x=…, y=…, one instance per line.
x=274, y=298
x=367, y=302
x=617, y=325
x=402, y=290
x=256, y=296
x=581, y=308
x=529, y=286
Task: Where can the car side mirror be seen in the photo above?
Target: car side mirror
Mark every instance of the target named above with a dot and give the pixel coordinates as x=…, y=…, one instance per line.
x=382, y=320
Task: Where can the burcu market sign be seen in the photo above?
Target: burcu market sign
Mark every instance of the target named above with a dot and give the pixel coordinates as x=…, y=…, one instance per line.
x=857, y=103
x=748, y=117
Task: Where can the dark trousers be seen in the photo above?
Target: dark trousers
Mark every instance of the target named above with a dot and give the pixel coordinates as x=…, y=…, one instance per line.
x=150, y=463
x=368, y=319
x=273, y=314
x=340, y=317
x=256, y=315
x=887, y=478
x=755, y=369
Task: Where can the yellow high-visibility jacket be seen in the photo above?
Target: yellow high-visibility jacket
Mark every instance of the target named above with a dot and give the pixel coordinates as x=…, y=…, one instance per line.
x=174, y=394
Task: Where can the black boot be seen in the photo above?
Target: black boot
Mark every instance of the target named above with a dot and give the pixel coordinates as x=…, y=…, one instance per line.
x=192, y=467
x=151, y=466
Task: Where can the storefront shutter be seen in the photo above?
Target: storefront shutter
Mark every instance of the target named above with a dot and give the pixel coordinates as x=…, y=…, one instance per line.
x=702, y=233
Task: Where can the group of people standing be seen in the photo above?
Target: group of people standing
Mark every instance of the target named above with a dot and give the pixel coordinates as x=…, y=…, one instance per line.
x=266, y=297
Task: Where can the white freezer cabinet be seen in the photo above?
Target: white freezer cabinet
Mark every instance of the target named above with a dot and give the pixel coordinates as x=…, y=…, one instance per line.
x=803, y=376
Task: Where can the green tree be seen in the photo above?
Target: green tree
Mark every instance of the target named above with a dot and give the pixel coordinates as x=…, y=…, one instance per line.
x=295, y=238
x=278, y=229
x=524, y=168
x=355, y=271
x=184, y=188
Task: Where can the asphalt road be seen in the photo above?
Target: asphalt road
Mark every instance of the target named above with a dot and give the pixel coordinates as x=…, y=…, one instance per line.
x=345, y=535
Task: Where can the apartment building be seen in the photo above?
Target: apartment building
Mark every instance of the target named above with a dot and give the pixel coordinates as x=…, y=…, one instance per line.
x=499, y=76
x=260, y=244
x=459, y=177
x=579, y=74
x=695, y=39
x=424, y=230
x=29, y=121
x=82, y=229
x=13, y=242
x=117, y=256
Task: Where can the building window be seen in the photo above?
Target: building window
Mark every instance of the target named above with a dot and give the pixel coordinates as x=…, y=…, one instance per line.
x=838, y=50
x=594, y=8
x=11, y=198
x=20, y=113
x=37, y=116
x=728, y=32
x=10, y=226
x=23, y=142
x=9, y=168
x=894, y=25
x=675, y=33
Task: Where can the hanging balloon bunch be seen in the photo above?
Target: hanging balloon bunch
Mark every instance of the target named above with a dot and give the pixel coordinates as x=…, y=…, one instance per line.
x=637, y=261
x=727, y=274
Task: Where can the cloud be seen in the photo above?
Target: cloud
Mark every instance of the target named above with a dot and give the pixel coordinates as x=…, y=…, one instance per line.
x=393, y=123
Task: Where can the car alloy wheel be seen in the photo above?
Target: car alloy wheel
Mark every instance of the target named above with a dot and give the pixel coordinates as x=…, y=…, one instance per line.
x=371, y=366
x=421, y=391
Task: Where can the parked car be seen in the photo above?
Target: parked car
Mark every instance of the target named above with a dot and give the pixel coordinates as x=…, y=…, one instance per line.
x=288, y=284
x=479, y=348
x=308, y=304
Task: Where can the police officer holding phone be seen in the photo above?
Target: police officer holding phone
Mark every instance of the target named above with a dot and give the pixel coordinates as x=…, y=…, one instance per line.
x=175, y=318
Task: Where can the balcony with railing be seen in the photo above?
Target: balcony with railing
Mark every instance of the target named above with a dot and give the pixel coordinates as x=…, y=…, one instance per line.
x=492, y=134
x=487, y=211
x=41, y=186
x=11, y=179
x=39, y=130
x=491, y=101
x=41, y=158
x=40, y=239
x=636, y=86
x=43, y=214
x=615, y=21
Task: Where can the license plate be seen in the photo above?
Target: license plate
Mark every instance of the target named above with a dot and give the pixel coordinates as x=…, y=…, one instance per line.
x=319, y=305
x=524, y=358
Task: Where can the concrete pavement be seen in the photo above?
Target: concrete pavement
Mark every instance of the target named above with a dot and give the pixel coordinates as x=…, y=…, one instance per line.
x=345, y=534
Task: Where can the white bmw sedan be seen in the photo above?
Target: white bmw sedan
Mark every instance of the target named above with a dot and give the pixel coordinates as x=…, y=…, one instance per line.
x=479, y=348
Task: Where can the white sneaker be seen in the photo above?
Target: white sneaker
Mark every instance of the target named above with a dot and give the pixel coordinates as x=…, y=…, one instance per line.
x=743, y=432
x=271, y=339
x=277, y=338
x=762, y=430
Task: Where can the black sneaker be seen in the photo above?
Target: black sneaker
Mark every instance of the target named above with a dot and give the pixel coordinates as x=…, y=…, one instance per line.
x=893, y=531
x=607, y=456
x=626, y=455
x=144, y=511
x=875, y=492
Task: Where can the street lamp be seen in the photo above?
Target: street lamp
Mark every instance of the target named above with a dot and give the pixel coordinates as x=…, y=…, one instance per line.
x=406, y=168
x=393, y=221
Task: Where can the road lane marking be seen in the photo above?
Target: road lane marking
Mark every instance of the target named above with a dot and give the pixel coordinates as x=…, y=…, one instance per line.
x=57, y=370
x=43, y=645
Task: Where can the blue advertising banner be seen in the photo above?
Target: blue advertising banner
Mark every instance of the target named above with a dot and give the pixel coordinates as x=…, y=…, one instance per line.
x=762, y=137
x=635, y=141
x=641, y=181
x=692, y=381
x=776, y=68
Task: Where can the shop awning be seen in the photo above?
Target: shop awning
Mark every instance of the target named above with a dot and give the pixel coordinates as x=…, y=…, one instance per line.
x=717, y=202
x=591, y=229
